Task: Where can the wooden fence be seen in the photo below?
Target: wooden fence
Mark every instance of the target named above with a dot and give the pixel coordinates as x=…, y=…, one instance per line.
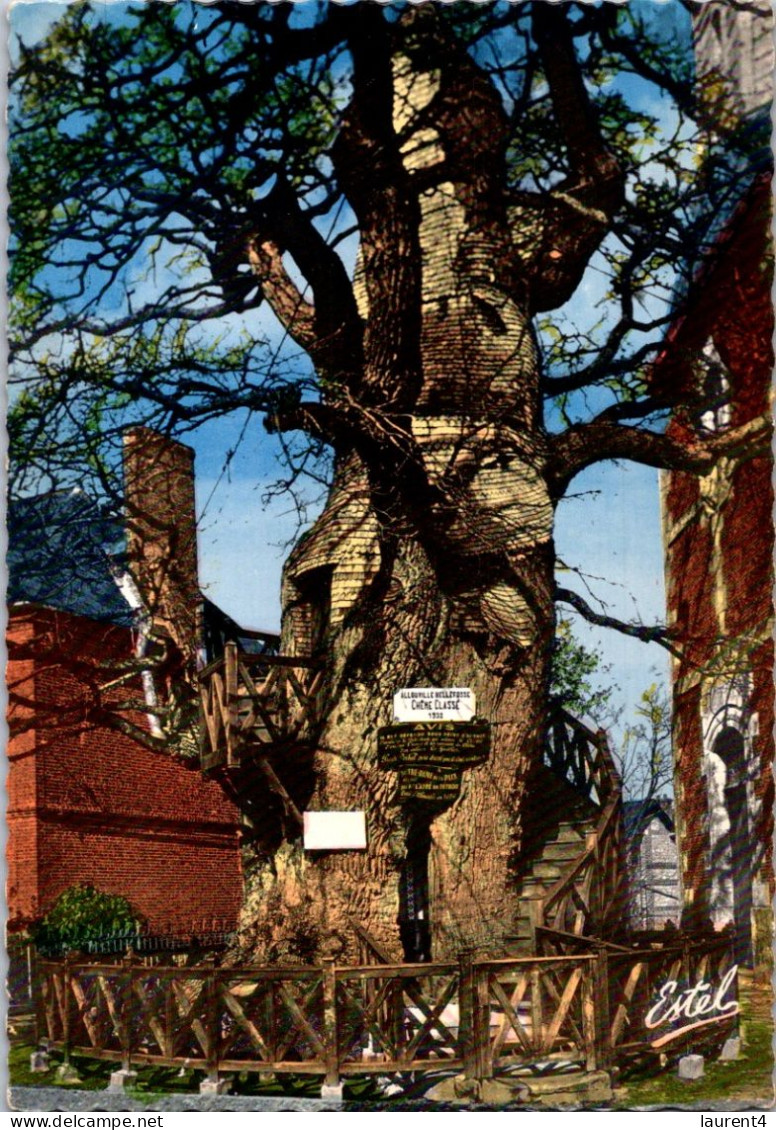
x=628, y=980
x=477, y=1016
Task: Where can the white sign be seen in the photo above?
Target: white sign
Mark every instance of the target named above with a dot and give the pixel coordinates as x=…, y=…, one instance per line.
x=334, y=831
x=433, y=704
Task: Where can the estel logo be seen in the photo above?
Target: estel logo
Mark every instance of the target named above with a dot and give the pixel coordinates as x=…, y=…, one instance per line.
x=691, y=1004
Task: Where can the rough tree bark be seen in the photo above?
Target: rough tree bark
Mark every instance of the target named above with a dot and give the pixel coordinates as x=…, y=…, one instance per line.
x=432, y=563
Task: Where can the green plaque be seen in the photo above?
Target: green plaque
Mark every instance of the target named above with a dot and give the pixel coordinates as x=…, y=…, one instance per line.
x=431, y=756
x=454, y=745
x=429, y=784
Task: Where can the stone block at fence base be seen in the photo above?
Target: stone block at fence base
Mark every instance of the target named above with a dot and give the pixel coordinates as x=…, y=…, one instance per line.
x=388, y=1086
x=731, y=1049
x=494, y=1092
x=65, y=1073
x=215, y=1086
x=331, y=1091
x=120, y=1080
x=39, y=1061
x=690, y=1067
x=571, y=1089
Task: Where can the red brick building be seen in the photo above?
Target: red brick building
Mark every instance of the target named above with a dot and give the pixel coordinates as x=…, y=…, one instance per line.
x=719, y=559
x=88, y=803
x=718, y=529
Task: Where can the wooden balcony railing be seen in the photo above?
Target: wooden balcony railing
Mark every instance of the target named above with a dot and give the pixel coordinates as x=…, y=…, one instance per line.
x=254, y=702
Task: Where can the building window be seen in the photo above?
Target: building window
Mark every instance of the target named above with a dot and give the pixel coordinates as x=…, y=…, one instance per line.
x=714, y=384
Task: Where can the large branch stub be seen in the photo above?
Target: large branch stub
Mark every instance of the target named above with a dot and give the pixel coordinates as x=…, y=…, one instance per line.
x=681, y=450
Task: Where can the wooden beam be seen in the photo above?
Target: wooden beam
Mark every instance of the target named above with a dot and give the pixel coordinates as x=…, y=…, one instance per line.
x=279, y=788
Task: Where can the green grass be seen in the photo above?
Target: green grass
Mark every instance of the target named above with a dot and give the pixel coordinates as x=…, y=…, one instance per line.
x=94, y=1075
x=746, y=1080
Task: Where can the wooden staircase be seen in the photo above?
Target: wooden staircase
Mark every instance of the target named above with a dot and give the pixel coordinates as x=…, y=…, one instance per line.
x=572, y=884
x=559, y=837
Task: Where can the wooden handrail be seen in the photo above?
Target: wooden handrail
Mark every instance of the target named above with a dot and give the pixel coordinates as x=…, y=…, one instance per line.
x=600, y=773
x=251, y=658
x=206, y=672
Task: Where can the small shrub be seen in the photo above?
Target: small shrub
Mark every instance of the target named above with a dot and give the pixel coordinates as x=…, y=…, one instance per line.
x=80, y=914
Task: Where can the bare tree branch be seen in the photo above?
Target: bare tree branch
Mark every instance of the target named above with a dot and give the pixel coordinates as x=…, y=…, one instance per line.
x=648, y=634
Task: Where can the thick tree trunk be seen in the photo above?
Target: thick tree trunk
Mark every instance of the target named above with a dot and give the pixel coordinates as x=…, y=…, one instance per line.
x=383, y=624
x=432, y=564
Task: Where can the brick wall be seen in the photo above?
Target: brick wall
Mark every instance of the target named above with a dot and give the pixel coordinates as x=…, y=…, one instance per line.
x=719, y=553
x=90, y=805
x=654, y=877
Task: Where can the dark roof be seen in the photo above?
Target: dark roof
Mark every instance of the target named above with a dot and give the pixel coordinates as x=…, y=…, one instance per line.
x=60, y=550
x=638, y=814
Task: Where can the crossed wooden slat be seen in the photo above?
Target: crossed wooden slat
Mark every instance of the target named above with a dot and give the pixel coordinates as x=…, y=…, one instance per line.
x=284, y=721
x=368, y=1014
x=430, y=1011
x=258, y=711
x=621, y=1013
x=59, y=986
x=109, y=995
x=563, y=1000
x=510, y=1005
x=93, y=1020
x=167, y=1028
x=49, y=998
x=432, y=1015
x=301, y=1024
x=245, y=1024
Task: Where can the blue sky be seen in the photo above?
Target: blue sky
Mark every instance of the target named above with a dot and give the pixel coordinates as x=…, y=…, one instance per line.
x=608, y=529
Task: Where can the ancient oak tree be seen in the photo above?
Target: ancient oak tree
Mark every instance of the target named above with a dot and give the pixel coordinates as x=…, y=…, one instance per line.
x=177, y=170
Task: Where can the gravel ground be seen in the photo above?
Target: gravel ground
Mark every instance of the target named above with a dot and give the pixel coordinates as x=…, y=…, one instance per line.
x=55, y=1099
x=52, y=1099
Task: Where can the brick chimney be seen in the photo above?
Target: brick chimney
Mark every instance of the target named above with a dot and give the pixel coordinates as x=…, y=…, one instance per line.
x=162, y=536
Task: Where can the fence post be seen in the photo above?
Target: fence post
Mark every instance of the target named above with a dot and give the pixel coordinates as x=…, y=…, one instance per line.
x=589, y=1014
x=211, y=1022
x=67, y=997
x=36, y=992
x=169, y=1019
x=482, y=1046
x=686, y=966
x=232, y=720
x=467, y=1020
x=332, y=1088
x=125, y=1009
x=537, y=1011
x=536, y=920
x=601, y=1011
